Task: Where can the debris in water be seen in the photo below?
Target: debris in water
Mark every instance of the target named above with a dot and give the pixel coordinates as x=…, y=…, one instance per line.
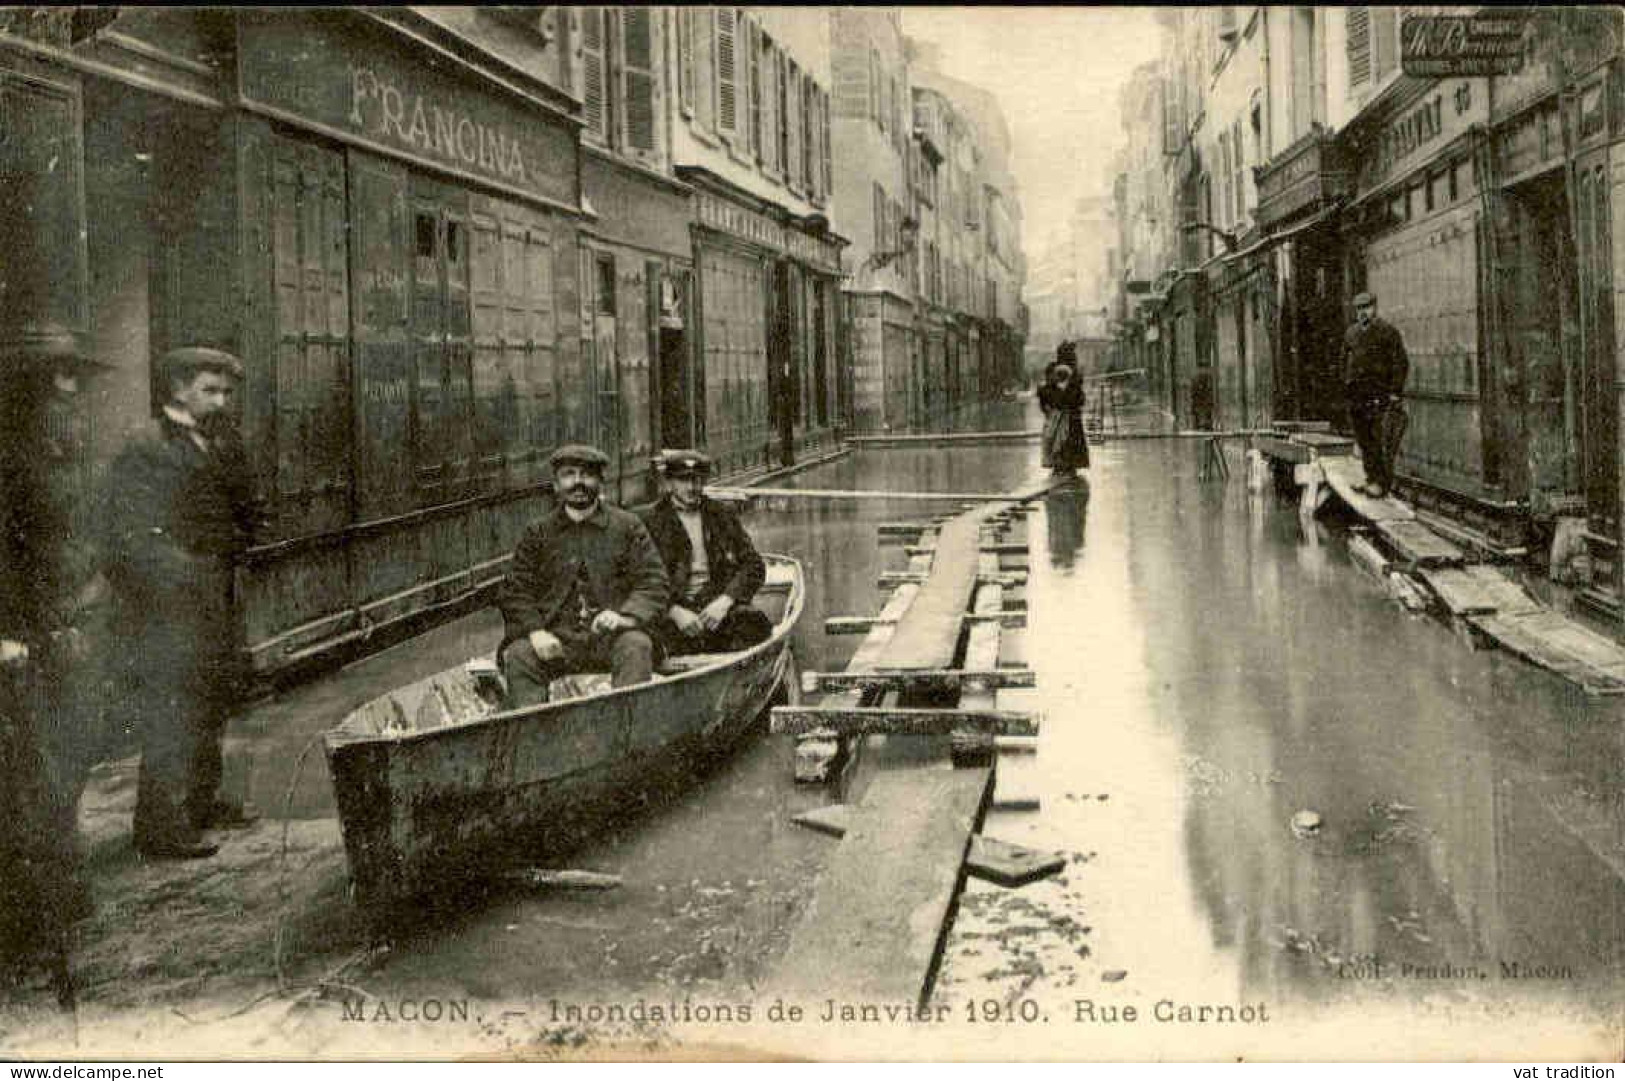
x=1306, y=823
x=1113, y=976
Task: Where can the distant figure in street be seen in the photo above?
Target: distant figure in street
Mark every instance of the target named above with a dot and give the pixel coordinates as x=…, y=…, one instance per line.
x=1065, y=449
x=585, y=586
x=180, y=514
x=47, y=597
x=714, y=568
x=1375, y=367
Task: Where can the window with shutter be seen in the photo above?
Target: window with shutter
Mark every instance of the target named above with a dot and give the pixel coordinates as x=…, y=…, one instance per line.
x=897, y=114
x=1359, y=45
x=703, y=39
x=594, y=84
x=639, y=84
x=809, y=138
x=874, y=86
x=769, y=149
x=1236, y=150
x=727, y=72
x=882, y=105
x=685, y=60
x=879, y=210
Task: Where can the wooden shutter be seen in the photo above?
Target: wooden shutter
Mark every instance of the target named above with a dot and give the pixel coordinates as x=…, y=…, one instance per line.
x=792, y=85
x=1359, y=45
x=594, y=82
x=829, y=166
x=727, y=71
x=44, y=271
x=1384, y=41
x=753, y=87
x=685, y=60
x=378, y=251
x=640, y=86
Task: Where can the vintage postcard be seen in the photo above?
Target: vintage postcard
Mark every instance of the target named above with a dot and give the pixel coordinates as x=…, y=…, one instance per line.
x=923, y=533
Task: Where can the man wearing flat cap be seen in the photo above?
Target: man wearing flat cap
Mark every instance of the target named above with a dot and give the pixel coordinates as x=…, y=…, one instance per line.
x=584, y=586
x=714, y=568
x=48, y=605
x=180, y=514
x=1375, y=367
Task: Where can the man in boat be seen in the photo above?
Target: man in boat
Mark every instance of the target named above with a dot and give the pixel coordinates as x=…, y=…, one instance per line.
x=585, y=585
x=1375, y=367
x=180, y=514
x=714, y=568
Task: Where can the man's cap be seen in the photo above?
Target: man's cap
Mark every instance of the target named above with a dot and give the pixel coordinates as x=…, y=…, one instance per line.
x=190, y=359
x=683, y=463
x=579, y=454
x=44, y=347
x=1362, y=299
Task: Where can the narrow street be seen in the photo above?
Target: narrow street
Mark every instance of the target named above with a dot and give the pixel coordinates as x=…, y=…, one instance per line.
x=1207, y=671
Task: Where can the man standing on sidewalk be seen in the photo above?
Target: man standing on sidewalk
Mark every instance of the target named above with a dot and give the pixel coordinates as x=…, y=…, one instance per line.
x=181, y=513
x=1375, y=367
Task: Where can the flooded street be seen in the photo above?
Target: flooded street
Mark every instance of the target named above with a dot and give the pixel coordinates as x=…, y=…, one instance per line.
x=1208, y=668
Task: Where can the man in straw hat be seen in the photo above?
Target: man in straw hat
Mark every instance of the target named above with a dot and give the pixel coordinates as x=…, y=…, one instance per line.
x=585, y=584
x=47, y=598
x=180, y=514
x=714, y=568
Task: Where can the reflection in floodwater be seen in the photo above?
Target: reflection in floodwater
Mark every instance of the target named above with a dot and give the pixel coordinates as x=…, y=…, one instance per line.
x=1064, y=510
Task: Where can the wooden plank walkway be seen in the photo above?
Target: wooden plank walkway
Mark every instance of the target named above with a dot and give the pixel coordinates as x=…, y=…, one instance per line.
x=1009, y=436
x=1419, y=545
x=1552, y=640
x=1478, y=590
x=1343, y=474
x=861, y=494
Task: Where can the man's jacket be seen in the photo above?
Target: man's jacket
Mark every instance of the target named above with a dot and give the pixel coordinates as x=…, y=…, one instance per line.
x=734, y=566
x=1375, y=364
x=606, y=560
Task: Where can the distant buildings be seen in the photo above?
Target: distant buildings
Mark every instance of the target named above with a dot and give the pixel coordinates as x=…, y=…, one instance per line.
x=1278, y=160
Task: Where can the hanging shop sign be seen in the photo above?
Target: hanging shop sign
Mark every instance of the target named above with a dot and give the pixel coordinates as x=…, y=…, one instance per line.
x=378, y=92
x=1490, y=42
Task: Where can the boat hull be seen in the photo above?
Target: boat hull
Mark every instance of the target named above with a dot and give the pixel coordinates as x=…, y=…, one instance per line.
x=421, y=810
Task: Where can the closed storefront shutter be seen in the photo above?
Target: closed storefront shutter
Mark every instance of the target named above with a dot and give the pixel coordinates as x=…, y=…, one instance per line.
x=310, y=276
x=42, y=200
x=735, y=335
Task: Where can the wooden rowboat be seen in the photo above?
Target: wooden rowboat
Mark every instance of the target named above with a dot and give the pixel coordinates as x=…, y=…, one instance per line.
x=434, y=785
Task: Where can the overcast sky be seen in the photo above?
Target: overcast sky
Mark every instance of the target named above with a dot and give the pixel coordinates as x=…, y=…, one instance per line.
x=1057, y=72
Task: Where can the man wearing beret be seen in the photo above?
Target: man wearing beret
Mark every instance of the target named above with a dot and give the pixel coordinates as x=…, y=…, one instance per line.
x=714, y=568
x=180, y=514
x=1375, y=369
x=585, y=584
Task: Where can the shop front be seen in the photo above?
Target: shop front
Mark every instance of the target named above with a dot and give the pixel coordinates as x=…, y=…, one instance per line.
x=767, y=374
x=637, y=275
x=403, y=288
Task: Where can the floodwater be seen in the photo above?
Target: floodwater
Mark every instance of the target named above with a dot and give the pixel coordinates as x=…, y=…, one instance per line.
x=1209, y=667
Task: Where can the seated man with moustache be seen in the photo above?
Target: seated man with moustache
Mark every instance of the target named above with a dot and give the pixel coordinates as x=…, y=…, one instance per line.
x=713, y=567
x=585, y=585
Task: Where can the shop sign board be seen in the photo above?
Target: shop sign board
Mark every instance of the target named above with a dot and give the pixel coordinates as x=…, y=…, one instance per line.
x=1488, y=42
x=375, y=91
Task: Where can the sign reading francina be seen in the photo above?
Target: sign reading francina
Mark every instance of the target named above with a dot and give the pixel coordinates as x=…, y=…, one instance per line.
x=1491, y=42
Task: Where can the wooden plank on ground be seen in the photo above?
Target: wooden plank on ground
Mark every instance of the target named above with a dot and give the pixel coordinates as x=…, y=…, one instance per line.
x=863, y=624
x=874, y=930
x=1419, y=545
x=1325, y=444
x=1006, y=864
x=1477, y=590
x=1344, y=474
x=929, y=634
x=880, y=720
x=1284, y=450
x=922, y=679
x=1532, y=637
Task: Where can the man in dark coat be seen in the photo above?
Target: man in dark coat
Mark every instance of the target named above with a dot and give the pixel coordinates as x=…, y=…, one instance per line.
x=585, y=584
x=1375, y=367
x=714, y=568
x=181, y=512
x=47, y=600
